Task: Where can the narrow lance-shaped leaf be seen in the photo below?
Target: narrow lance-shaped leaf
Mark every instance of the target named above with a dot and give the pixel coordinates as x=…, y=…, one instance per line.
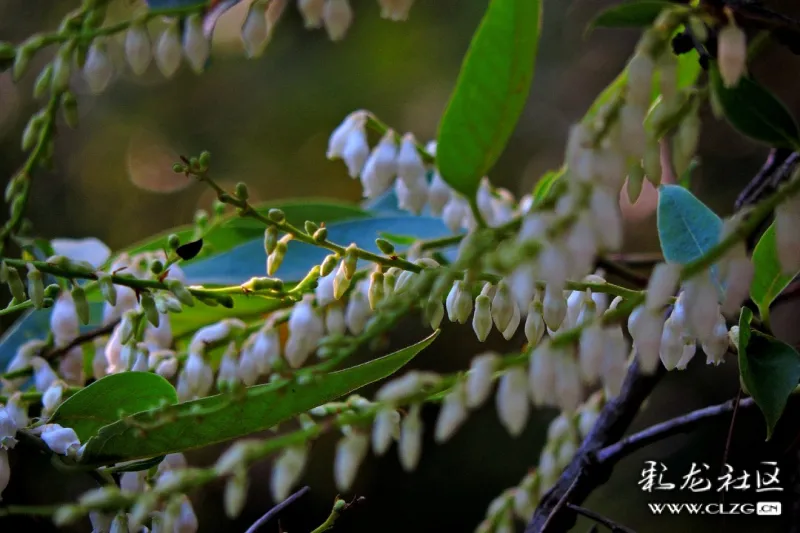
x=769, y=368
x=490, y=93
x=219, y=418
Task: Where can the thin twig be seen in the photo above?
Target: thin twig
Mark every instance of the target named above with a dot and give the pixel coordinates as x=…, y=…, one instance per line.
x=736, y=402
x=560, y=504
x=277, y=509
x=728, y=440
x=81, y=339
x=614, y=452
x=597, y=517
x=622, y=271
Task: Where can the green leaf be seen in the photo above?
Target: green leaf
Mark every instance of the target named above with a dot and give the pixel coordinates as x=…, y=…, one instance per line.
x=541, y=191
x=687, y=228
x=768, y=278
x=637, y=14
x=755, y=111
x=490, y=93
x=688, y=69
x=394, y=238
x=224, y=418
x=769, y=368
x=106, y=400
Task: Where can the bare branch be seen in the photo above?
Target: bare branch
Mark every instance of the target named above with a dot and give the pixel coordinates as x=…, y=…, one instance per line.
x=277, y=509
x=600, y=519
x=614, y=452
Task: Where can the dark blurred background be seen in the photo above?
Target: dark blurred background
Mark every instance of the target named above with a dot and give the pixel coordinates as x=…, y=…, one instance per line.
x=267, y=122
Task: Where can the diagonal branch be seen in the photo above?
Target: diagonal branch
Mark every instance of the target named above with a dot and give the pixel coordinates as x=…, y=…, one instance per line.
x=600, y=519
x=611, y=454
x=585, y=473
x=269, y=515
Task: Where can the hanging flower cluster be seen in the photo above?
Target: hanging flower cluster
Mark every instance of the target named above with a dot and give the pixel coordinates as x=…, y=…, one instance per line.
x=525, y=268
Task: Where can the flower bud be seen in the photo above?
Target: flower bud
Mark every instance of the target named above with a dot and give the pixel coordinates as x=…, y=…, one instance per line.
x=148, y=304
x=482, y=319
x=640, y=80
x=22, y=59
x=43, y=82
x=395, y=10
x=15, y=285
x=534, y=324
x=356, y=149
x=542, y=375
x=235, y=494
x=62, y=68
x=410, y=445
x=286, y=471
x=36, y=287
x=335, y=323
x=452, y=414
x=168, y=52
x=385, y=428
x=337, y=17
x=341, y=281
x=358, y=312
x=662, y=285
x=731, y=54
x=410, y=167
x=651, y=161
x=254, y=30
x=196, y=45
x=138, y=51
x=502, y=306
x=554, y=307
x=311, y=11
x=350, y=453
x=275, y=259
x=512, y=400
x=61, y=440
x=511, y=329
x=479, y=379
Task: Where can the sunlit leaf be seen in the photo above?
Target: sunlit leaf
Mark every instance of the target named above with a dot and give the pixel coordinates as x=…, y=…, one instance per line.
x=491, y=90
x=545, y=184
x=224, y=419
